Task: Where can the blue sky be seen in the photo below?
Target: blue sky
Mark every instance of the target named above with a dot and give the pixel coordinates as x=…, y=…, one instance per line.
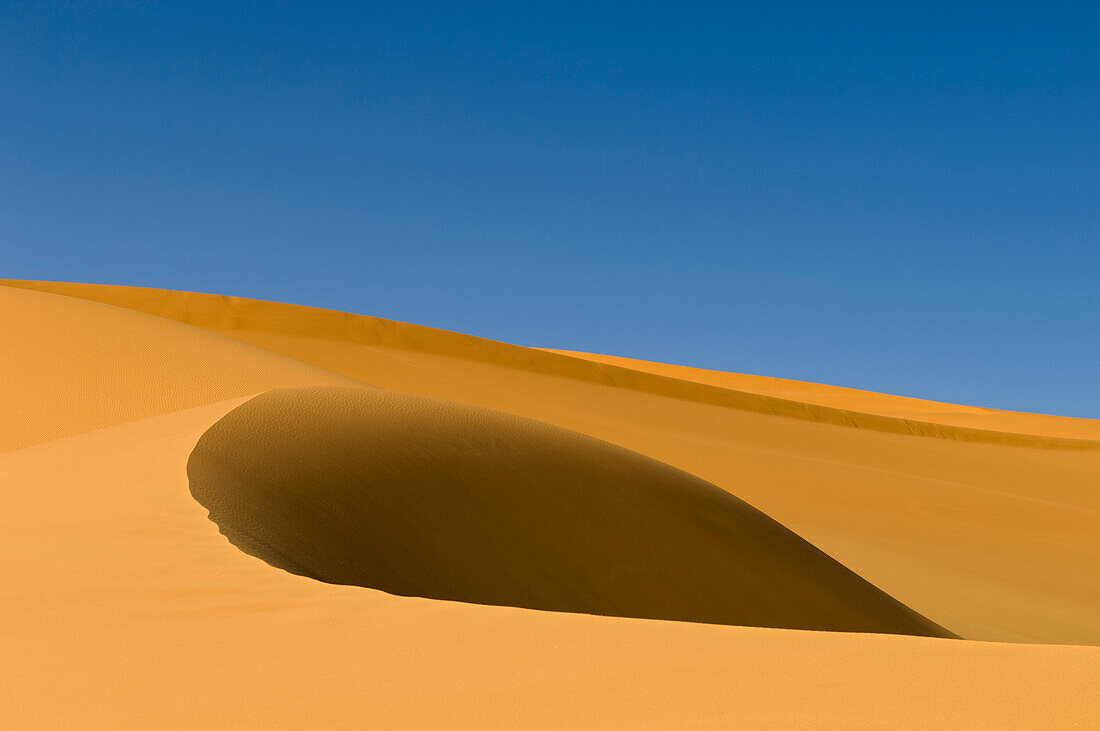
x=899, y=197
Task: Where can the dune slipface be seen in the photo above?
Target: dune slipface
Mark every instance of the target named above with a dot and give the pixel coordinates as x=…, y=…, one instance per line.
x=422, y=497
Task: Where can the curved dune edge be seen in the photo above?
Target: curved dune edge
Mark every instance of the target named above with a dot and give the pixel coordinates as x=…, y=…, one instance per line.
x=422, y=497
x=226, y=314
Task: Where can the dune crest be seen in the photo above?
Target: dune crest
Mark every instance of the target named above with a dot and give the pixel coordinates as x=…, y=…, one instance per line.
x=854, y=400
x=422, y=497
x=294, y=329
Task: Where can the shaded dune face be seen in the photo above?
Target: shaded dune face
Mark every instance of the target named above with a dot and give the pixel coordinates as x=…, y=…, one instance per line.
x=422, y=497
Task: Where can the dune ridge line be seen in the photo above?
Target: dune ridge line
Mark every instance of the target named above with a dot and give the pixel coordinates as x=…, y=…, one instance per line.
x=227, y=313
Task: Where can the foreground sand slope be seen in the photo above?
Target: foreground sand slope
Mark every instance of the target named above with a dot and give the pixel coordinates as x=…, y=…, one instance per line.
x=124, y=607
x=429, y=498
x=993, y=533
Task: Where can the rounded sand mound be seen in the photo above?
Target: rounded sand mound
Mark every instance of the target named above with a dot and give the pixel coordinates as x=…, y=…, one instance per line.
x=421, y=497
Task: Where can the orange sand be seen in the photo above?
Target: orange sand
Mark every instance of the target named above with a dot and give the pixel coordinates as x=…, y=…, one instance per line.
x=124, y=606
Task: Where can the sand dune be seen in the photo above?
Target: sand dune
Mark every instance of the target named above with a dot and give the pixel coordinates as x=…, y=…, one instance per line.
x=125, y=607
x=429, y=498
x=989, y=539
x=290, y=329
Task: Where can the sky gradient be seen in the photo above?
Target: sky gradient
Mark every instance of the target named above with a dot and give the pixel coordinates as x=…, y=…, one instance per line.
x=890, y=196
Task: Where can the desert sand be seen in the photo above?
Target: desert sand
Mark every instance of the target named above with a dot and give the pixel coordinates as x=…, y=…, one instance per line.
x=225, y=512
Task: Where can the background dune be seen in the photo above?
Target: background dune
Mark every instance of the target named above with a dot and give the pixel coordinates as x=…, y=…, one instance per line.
x=422, y=497
x=868, y=402
x=294, y=330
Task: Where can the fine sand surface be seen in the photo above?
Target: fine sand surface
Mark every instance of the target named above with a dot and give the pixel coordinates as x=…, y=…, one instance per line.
x=501, y=475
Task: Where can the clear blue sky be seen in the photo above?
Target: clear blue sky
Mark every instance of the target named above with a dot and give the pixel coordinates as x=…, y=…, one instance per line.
x=895, y=196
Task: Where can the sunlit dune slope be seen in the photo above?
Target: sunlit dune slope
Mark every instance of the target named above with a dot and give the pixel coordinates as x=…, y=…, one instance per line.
x=997, y=538
x=124, y=608
x=281, y=327
x=429, y=498
x=72, y=365
x=869, y=402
